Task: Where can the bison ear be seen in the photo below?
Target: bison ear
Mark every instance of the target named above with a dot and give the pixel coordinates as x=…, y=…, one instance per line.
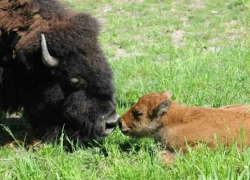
x=161, y=108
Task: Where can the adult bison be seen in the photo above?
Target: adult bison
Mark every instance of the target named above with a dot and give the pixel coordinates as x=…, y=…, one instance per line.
x=52, y=66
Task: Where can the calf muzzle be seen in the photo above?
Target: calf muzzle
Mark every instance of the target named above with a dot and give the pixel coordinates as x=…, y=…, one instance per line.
x=123, y=127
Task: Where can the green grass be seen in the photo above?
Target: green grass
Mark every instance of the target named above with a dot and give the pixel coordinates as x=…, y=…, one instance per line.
x=200, y=50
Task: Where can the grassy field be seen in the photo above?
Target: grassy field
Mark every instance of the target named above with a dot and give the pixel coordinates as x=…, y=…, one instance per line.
x=198, y=49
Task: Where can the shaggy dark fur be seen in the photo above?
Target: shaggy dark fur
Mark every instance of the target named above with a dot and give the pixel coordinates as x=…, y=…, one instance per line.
x=49, y=97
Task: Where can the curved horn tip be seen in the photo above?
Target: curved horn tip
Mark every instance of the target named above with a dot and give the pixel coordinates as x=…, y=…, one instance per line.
x=47, y=59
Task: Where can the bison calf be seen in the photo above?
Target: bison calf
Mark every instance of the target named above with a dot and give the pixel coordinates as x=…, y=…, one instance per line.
x=155, y=115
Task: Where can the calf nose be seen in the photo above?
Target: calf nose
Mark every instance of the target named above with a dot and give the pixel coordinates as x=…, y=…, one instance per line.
x=124, y=129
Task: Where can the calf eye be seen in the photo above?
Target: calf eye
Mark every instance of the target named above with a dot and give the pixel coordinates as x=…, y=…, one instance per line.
x=138, y=113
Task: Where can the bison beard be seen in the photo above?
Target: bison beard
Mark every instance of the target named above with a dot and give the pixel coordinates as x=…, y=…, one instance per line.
x=52, y=66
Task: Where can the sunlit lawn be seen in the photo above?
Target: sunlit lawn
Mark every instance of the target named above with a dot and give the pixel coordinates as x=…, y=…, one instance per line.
x=200, y=50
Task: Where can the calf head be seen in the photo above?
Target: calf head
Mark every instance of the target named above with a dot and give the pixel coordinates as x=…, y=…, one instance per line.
x=144, y=118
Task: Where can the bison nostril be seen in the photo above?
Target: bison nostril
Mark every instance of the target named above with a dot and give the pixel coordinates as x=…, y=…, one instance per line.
x=110, y=125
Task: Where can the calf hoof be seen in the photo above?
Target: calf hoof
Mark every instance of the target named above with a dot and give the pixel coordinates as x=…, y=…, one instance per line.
x=167, y=158
x=14, y=144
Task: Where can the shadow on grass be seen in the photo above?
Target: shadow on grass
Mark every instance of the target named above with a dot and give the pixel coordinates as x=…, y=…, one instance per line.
x=131, y=145
x=18, y=127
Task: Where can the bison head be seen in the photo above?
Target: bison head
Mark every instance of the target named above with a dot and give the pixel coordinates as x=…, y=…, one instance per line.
x=71, y=90
x=144, y=118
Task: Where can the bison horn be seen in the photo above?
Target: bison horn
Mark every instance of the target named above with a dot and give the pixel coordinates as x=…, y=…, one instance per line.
x=47, y=59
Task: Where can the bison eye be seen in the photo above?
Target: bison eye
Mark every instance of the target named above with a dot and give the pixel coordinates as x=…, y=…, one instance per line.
x=77, y=82
x=74, y=81
x=138, y=113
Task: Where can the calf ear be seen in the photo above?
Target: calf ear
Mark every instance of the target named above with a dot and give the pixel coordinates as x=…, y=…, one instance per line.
x=168, y=94
x=161, y=109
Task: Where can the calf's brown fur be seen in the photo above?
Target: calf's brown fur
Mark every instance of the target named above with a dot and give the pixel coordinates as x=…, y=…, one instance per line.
x=155, y=115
